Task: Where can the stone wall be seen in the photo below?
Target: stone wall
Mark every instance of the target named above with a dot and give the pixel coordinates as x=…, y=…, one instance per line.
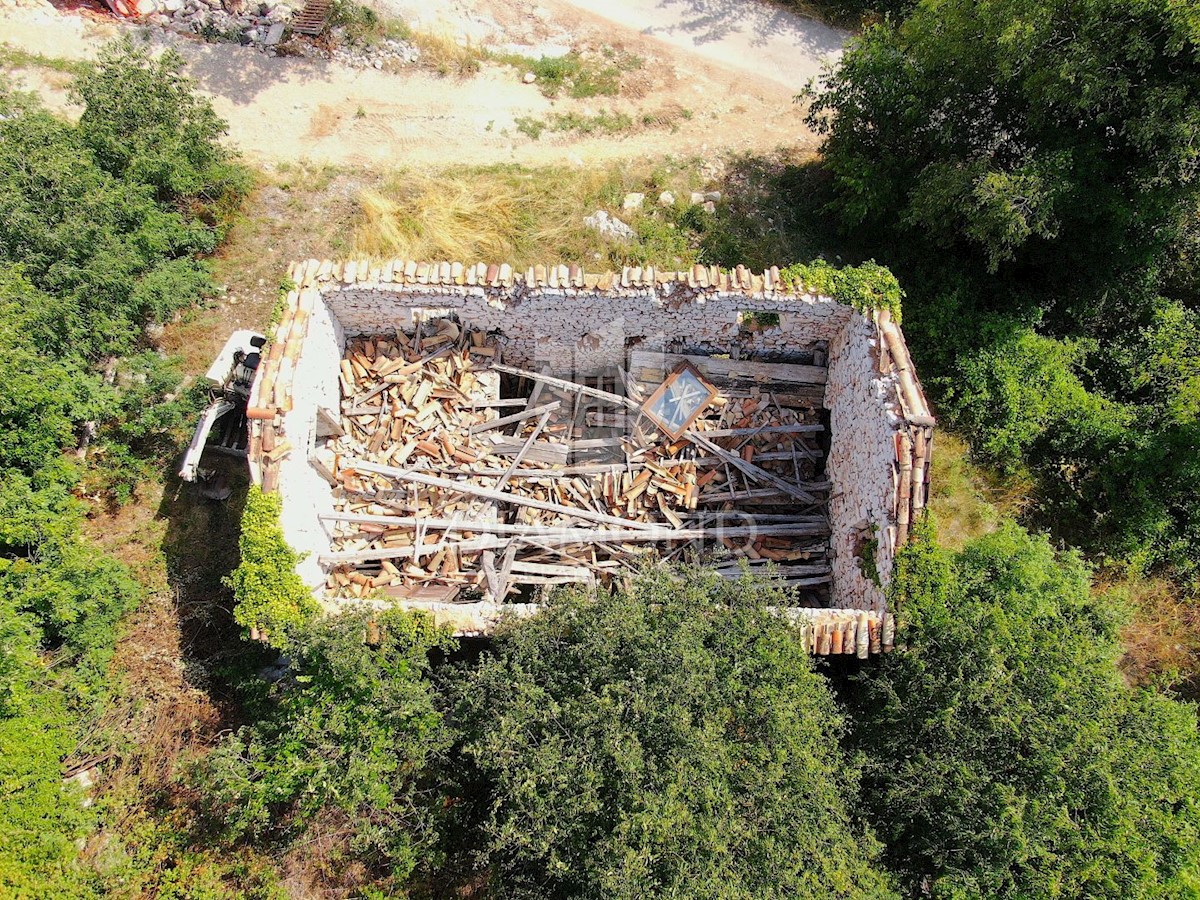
x=306, y=495
x=581, y=332
x=577, y=325
x=863, y=418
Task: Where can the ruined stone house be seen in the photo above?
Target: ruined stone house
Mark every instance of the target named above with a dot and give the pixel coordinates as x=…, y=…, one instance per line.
x=811, y=458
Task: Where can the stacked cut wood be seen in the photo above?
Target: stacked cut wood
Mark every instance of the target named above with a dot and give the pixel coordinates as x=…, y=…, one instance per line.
x=442, y=487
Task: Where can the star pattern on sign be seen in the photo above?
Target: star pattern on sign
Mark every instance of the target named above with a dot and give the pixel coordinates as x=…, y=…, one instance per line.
x=680, y=399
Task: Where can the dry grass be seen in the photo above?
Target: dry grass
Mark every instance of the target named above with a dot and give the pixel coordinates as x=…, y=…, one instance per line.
x=522, y=216
x=1162, y=639
x=444, y=55
x=325, y=121
x=967, y=500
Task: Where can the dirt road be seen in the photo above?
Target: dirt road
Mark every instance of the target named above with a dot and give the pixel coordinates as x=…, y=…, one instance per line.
x=756, y=38
x=715, y=79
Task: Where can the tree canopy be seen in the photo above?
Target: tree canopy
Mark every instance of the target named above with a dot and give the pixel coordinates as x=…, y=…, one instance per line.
x=1029, y=169
x=669, y=740
x=1004, y=755
x=1023, y=130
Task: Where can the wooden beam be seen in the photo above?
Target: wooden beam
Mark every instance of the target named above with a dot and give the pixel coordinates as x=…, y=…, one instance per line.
x=716, y=368
x=537, y=429
x=465, y=487
x=763, y=429
x=811, y=526
x=577, y=573
x=749, y=469
x=515, y=417
x=569, y=386
x=567, y=537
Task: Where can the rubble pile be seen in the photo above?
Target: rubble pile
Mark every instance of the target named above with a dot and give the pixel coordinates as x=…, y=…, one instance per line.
x=443, y=487
x=265, y=26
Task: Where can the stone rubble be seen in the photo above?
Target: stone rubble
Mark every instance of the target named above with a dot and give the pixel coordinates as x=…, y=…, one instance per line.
x=609, y=226
x=264, y=26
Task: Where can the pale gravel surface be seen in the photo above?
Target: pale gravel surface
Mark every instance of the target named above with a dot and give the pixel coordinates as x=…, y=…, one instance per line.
x=732, y=65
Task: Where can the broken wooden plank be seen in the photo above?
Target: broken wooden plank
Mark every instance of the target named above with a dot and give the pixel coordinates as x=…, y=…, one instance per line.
x=749, y=469
x=537, y=429
x=515, y=417
x=763, y=429
x=489, y=494
x=569, y=386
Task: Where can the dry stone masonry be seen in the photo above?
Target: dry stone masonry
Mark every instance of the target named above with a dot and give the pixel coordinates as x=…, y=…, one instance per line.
x=563, y=322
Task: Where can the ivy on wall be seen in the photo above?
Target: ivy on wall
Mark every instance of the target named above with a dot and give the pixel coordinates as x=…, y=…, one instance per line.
x=269, y=594
x=866, y=287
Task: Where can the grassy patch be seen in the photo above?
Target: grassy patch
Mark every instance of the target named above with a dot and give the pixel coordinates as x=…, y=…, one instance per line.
x=576, y=75
x=363, y=27
x=967, y=500
x=770, y=213
x=1162, y=638
x=526, y=216
x=16, y=58
x=444, y=55
x=604, y=122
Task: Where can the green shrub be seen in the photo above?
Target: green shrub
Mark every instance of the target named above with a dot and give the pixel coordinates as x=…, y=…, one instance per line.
x=269, y=594
x=1005, y=755
x=354, y=732
x=144, y=123
x=866, y=287
x=669, y=740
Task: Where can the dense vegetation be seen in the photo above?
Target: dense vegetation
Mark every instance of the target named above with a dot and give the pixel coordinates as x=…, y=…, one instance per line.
x=1029, y=169
x=101, y=224
x=670, y=741
x=1005, y=756
x=344, y=746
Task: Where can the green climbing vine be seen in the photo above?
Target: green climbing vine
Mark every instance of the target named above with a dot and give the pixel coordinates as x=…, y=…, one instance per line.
x=269, y=594
x=866, y=287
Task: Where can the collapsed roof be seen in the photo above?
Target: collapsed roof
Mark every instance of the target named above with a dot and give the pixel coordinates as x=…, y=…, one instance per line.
x=459, y=438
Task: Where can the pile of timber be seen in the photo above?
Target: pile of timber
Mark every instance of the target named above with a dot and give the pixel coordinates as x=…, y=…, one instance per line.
x=442, y=487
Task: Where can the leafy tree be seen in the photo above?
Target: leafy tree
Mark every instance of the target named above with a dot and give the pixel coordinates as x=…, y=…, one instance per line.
x=354, y=731
x=1005, y=756
x=671, y=740
x=1029, y=167
x=1026, y=393
x=145, y=124
x=1054, y=132
x=93, y=246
